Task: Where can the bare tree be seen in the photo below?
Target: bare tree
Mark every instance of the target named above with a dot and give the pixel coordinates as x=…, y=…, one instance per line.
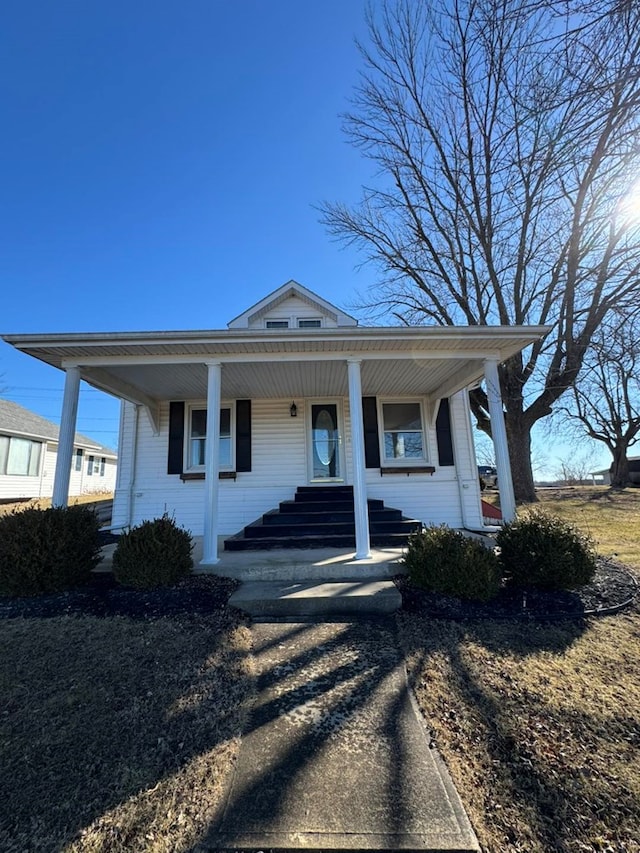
x=575, y=469
x=506, y=136
x=605, y=401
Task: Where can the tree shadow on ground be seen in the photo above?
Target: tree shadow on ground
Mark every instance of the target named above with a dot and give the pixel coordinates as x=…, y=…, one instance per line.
x=321, y=693
x=529, y=790
x=96, y=711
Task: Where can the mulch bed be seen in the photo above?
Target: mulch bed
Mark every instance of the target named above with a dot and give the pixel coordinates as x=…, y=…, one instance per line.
x=612, y=588
x=196, y=595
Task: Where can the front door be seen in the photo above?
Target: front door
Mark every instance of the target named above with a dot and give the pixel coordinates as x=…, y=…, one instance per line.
x=325, y=444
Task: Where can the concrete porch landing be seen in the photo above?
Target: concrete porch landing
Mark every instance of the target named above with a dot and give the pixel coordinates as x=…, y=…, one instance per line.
x=334, y=754
x=304, y=564
x=301, y=564
x=313, y=583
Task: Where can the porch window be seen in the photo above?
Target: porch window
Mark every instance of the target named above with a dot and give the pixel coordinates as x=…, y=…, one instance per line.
x=403, y=439
x=77, y=464
x=197, y=432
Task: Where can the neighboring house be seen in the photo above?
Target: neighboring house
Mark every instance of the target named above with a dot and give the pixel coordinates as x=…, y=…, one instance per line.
x=603, y=478
x=28, y=456
x=303, y=397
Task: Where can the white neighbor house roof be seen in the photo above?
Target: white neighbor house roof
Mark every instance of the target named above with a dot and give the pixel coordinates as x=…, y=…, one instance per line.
x=18, y=421
x=259, y=362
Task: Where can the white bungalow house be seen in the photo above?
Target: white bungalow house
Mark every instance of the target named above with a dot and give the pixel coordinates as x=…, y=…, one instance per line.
x=29, y=453
x=305, y=399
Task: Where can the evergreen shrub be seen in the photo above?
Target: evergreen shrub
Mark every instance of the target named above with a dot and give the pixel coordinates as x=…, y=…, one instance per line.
x=47, y=550
x=547, y=552
x=155, y=553
x=446, y=561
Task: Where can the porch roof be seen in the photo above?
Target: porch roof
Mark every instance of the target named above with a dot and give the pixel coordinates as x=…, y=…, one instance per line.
x=147, y=367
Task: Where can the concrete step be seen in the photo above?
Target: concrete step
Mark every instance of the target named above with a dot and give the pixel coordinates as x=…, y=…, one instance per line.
x=325, y=490
x=322, y=506
x=274, y=516
x=318, y=599
x=240, y=542
x=259, y=530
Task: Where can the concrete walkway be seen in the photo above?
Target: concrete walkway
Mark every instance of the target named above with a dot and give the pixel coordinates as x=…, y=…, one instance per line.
x=335, y=754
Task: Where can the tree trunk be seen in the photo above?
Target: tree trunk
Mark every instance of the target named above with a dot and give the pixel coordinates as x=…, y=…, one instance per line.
x=519, y=438
x=620, y=468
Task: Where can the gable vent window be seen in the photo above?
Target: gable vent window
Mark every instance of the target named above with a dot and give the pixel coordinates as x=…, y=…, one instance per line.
x=309, y=324
x=277, y=324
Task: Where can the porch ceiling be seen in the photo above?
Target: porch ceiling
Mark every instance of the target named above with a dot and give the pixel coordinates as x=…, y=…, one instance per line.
x=153, y=366
x=393, y=377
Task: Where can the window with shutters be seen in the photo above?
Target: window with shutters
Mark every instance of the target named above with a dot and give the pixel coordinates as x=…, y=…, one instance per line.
x=196, y=435
x=403, y=434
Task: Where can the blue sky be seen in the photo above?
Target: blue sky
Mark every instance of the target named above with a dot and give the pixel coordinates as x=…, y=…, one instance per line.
x=159, y=167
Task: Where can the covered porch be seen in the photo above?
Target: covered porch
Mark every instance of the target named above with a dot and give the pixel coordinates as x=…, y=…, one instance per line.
x=344, y=367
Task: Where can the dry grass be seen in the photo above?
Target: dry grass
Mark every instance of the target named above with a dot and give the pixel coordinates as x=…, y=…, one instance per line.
x=540, y=723
x=45, y=503
x=611, y=517
x=117, y=734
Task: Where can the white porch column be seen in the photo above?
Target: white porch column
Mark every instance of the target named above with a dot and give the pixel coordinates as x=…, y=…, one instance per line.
x=66, y=437
x=499, y=436
x=212, y=465
x=363, y=548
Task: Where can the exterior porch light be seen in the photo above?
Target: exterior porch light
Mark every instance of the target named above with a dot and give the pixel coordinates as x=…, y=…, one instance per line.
x=293, y=410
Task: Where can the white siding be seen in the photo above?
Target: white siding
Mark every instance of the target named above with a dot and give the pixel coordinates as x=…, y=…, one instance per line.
x=126, y=453
x=464, y=450
x=293, y=309
x=15, y=487
x=280, y=465
x=431, y=498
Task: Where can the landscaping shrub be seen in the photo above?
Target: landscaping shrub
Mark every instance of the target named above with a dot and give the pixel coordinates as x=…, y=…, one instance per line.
x=47, y=550
x=446, y=561
x=544, y=551
x=155, y=553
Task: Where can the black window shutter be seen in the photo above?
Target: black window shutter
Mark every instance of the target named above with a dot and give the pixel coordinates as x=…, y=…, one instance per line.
x=370, y=423
x=176, y=438
x=243, y=435
x=443, y=434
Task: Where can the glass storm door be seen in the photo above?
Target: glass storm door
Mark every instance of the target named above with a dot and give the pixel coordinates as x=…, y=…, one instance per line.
x=325, y=442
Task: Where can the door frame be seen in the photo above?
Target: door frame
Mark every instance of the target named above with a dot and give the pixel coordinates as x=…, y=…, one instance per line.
x=320, y=401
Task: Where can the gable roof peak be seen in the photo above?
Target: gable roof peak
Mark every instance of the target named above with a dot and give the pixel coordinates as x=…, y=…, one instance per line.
x=285, y=291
